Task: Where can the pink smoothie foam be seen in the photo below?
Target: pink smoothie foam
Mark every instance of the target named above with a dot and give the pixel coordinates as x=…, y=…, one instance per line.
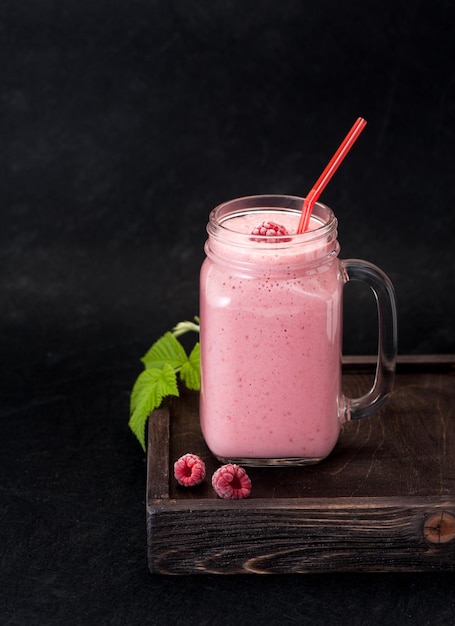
x=270, y=348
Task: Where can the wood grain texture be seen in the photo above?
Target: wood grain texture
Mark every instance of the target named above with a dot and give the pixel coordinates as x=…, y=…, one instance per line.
x=300, y=536
x=383, y=501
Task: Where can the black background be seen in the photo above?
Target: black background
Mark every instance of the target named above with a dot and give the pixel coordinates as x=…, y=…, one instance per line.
x=122, y=125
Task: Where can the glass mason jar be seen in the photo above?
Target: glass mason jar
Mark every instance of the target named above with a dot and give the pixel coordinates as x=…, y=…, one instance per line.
x=271, y=334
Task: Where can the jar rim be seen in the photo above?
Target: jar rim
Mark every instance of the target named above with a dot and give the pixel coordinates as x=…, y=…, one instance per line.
x=220, y=216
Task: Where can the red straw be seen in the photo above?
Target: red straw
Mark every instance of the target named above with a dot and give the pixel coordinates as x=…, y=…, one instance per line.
x=327, y=174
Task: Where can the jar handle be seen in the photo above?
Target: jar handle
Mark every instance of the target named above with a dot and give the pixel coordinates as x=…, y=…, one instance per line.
x=380, y=284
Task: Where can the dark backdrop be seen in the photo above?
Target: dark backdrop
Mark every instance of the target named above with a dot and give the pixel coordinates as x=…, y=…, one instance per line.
x=125, y=123
x=122, y=125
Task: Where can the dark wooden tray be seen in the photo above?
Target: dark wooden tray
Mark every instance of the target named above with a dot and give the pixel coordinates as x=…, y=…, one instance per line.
x=383, y=501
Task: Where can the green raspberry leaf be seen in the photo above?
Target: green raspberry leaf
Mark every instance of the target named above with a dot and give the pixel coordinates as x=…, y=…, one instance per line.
x=151, y=386
x=190, y=372
x=164, y=361
x=167, y=350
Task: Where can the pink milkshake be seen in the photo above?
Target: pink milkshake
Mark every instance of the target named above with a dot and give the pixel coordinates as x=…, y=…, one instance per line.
x=271, y=336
